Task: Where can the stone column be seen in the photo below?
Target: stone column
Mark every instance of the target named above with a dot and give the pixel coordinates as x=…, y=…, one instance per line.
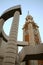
x=11, y=48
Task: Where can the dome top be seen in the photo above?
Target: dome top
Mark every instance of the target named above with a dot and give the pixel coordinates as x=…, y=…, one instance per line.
x=29, y=17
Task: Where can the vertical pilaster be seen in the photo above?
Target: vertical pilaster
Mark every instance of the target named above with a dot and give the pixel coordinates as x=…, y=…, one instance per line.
x=33, y=62
x=39, y=36
x=31, y=34
x=23, y=63
x=23, y=34
x=11, y=48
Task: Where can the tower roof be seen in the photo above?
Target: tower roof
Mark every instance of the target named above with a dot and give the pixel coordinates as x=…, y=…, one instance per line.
x=29, y=17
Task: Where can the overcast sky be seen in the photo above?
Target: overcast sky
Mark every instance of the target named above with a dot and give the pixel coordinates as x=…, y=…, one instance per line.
x=35, y=8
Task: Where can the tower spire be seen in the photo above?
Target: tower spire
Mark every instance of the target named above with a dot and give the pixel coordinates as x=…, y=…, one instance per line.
x=28, y=12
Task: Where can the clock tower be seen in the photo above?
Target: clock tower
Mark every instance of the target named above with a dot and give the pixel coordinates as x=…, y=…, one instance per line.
x=31, y=32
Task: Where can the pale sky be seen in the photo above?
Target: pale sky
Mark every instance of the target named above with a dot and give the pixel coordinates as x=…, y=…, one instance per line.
x=35, y=8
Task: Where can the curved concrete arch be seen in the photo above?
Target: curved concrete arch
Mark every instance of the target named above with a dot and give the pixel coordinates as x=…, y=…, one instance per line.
x=8, y=14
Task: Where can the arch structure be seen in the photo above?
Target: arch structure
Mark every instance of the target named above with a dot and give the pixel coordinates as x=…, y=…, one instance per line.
x=6, y=15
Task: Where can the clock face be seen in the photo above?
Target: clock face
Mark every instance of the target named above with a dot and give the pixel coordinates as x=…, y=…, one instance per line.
x=26, y=32
x=35, y=32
